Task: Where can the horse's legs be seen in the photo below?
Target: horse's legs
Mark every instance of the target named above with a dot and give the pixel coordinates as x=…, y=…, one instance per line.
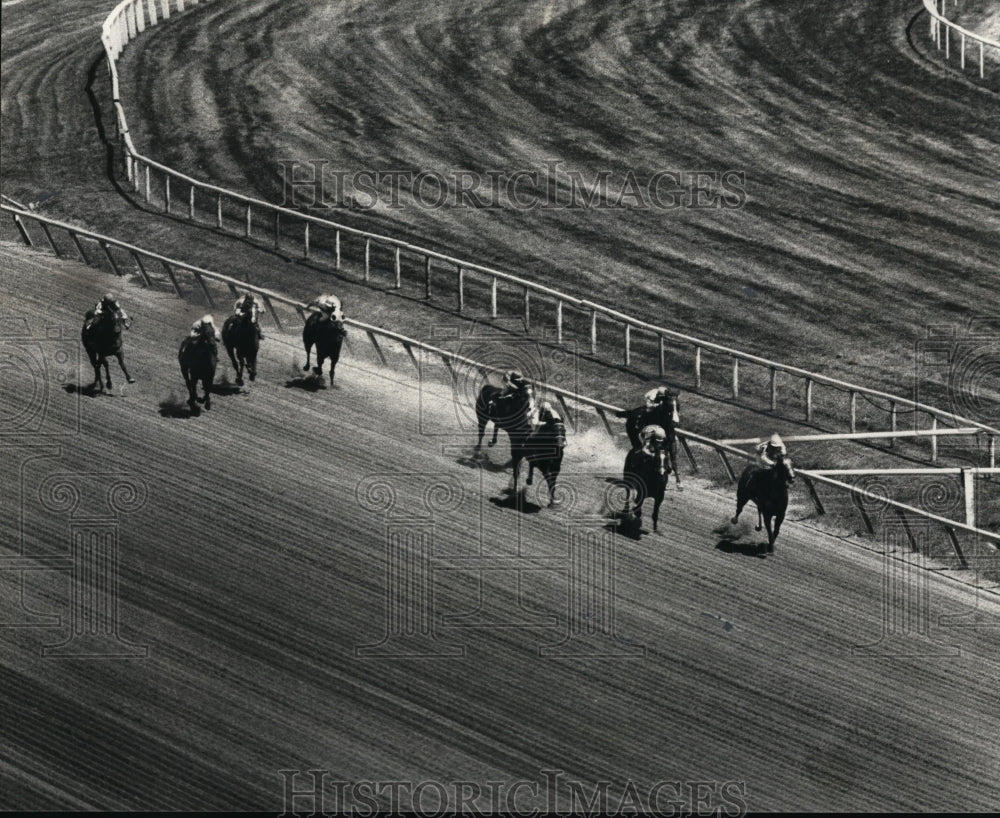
x=770, y=533
x=673, y=464
x=206, y=384
x=657, y=501
x=309, y=346
x=760, y=520
x=320, y=358
x=237, y=365
x=496, y=431
x=107, y=372
x=550, y=474
x=740, y=502
x=773, y=535
x=121, y=362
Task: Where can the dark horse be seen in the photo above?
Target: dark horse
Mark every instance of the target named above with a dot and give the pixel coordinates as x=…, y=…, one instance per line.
x=543, y=449
x=646, y=472
x=198, y=358
x=507, y=410
x=328, y=336
x=242, y=343
x=102, y=337
x=768, y=488
x=662, y=413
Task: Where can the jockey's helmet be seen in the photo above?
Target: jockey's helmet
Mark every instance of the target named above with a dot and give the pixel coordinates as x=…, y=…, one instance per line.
x=110, y=299
x=775, y=442
x=652, y=434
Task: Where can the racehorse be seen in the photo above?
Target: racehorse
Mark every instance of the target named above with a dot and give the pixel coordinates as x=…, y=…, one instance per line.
x=543, y=449
x=242, y=343
x=198, y=358
x=663, y=413
x=328, y=336
x=768, y=488
x=102, y=336
x=507, y=410
x=646, y=472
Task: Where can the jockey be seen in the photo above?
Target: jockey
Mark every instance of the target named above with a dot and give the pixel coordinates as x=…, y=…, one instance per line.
x=514, y=382
x=204, y=327
x=249, y=306
x=661, y=394
x=330, y=306
x=551, y=425
x=109, y=304
x=652, y=438
x=769, y=450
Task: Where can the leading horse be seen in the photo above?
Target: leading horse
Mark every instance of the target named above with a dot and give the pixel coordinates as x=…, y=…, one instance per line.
x=102, y=337
x=663, y=413
x=543, y=449
x=768, y=488
x=239, y=335
x=646, y=472
x=328, y=335
x=507, y=410
x=198, y=357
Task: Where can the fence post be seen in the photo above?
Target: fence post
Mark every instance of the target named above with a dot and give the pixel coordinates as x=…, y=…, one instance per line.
x=559, y=322
x=166, y=193
x=277, y=228
x=147, y=183
x=628, y=345
x=24, y=232
x=934, y=440
x=527, y=309
x=854, y=411
x=892, y=422
x=993, y=451
x=427, y=277
x=593, y=332
x=461, y=288
x=368, y=253
x=736, y=378
x=809, y=400
x=305, y=241
x=774, y=389
x=969, y=487
x=663, y=361
x=218, y=210
x=248, y=221
x=399, y=272
x=191, y=203
x=493, y=298
x=336, y=246
x=697, y=368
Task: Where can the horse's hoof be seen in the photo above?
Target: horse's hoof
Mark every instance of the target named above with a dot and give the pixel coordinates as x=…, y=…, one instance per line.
x=317, y=370
x=305, y=368
x=130, y=379
x=491, y=445
x=680, y=487
x=239, y=381
x=758, y=528
x=253, y=376
x=528, y=482
x=734, y=520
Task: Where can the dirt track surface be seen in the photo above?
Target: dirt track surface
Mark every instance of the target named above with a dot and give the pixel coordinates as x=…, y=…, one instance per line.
x=252, y=572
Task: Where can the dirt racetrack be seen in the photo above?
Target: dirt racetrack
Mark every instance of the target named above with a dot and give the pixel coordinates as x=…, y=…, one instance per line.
x=252, y=572
x=256, y=556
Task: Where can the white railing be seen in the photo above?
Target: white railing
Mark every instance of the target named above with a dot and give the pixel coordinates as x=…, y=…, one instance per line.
x=941, y=28
x=603, y=410
x=152, y=180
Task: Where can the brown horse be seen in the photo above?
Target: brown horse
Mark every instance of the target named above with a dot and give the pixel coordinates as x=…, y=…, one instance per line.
x=768, y=488
x=328, y=336
x=102, y=337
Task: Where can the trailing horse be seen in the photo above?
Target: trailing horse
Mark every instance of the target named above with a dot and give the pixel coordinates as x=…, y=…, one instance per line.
x=663, y=413
x=645, y=472
x=242, y=343
x=198, y=358
x=543, y=449
x=768, y=488
x=328, y=336
x=102, y=337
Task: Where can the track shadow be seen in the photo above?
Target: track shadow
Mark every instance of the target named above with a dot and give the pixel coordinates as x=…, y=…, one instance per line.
x=747, y=549
x=517, y=502
x=483, y=463
x=307, y=383
x=91, y=389
x=225, y=389
x=176, y=409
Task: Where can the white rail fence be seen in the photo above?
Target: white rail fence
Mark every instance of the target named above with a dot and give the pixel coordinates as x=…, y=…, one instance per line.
x=255, y=219
x=961, y=536
x=941, y=34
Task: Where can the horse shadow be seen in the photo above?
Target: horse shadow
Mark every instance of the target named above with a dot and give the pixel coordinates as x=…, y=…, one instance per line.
x=482, y=462
x=175, y=409
x=226, y=389
x=90, y=390
x=621, y=524
x=307, y=383
x=516, y=501
x=747, y=549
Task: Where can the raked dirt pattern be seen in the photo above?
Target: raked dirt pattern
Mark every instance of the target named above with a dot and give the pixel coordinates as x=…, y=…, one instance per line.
x=255, y=567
